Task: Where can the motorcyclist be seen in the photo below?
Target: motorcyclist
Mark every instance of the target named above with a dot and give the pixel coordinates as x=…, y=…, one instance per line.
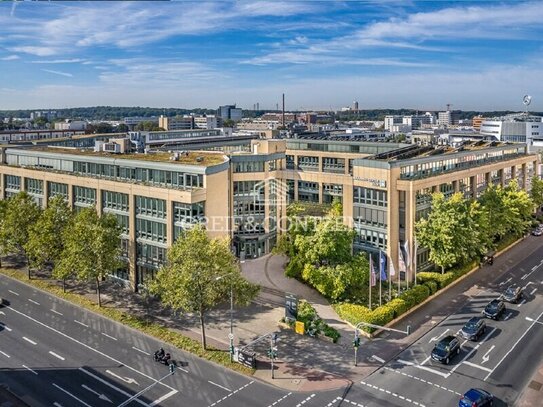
x=159, y=354
x=166, y=358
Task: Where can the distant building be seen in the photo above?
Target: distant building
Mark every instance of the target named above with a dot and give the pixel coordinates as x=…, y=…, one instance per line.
x=133, y=121
x=516, y=128
x=417, y=121
x=391, y=120
x=176, y=123
x=48, y=114
x=229, y=112
x=477, y=121
x=71, y=125
x=207, y=122
x=355, y=106
x=447, y=118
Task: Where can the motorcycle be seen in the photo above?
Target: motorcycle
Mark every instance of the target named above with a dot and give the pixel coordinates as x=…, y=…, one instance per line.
x=162, y=357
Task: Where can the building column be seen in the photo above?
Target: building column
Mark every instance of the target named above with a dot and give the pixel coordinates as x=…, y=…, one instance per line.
x=513, y=172
x=501, y=174
x=71, y=196
x=2, y=186
x=488, y=179
x=45, y=194
x=321, y=192
x=524, y=176
x=473, y=186
x=99, y=203
x=410, y=209
x=132, y=255
x=456, y=186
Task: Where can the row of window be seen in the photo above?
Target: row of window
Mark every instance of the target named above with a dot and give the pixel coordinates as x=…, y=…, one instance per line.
x=151, y=207
x=369, y=196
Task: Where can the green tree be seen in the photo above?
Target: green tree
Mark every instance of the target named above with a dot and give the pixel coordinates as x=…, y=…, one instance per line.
x=3, y=236
x=91, y=248
x=492, y=204
x=536, y=192
x=228, y=123
x=519, y=208
x=44, y=245
x=189, y=281
x=122, y=128
x=148, y=126
x=448, y=232
x=20, y=214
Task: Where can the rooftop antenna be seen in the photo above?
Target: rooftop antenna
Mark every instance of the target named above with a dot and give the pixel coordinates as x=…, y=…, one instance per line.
x=527, y=99
x=448, y=107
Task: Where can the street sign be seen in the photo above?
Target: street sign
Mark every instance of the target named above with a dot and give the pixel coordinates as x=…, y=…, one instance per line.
x=230, y=336
x=247, y=359
x=291, y=306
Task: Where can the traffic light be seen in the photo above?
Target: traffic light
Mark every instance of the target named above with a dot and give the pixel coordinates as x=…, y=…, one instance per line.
x=272, y=353
x=232, y=349
x=172, y=368
x=356, y=342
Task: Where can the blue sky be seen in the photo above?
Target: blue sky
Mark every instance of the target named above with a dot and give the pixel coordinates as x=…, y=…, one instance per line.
x=482, y=55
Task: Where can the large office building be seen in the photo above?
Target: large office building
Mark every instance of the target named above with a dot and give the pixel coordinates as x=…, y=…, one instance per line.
x=516, y=128
x=241, y=190
x=230, y=112
x=176, y=123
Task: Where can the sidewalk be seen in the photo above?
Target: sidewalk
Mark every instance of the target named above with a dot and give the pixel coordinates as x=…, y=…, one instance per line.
x=533, y=393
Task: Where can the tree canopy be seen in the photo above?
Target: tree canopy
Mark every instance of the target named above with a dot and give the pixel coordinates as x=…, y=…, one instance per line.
x=199, y=275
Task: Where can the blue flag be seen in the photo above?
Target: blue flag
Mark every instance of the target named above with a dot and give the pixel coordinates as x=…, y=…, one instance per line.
x=382, y=266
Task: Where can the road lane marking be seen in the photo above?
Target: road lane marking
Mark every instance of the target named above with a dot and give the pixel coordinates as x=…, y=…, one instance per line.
x=13, y=292
x=506, y=281
x=473, y=350
x=57, y=404
x=420, y=380
x=7, y=328
x=334, y=401
x=142, y=351
x=513, y=347
x=486, y=369
x=29, y=340
x=5, y=354
x=231, y=394
x=526, y=286
x=27, y=368
x=378, y=359
x=218, y=385
x=124, y=379
x=301, y=403
x=425, y=361
x=80, y=323
x=522, y=302
x=534, y=267
x=533, y=291
x=56, y=312
x=428, y=369
x=508, y=315
x=289, y=393
x=394, y=394
x=486, y=357
x=71, y=395
x=109, y=336
x=33, y=302
x=57, y=356
x=435, y=338
x=114, y=387
x=171, y=393
x=101, y=396
x=524, y=276
x=164, y=397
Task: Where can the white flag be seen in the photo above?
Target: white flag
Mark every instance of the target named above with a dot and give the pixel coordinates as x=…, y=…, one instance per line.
x=392, y=270
x=407, y=256
x=401, y=262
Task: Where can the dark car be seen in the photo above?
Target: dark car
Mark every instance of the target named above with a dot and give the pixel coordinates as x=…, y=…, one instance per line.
x=512, y=294
x=473, y=329
x=476, y=398
x=494, y=309
x=445, y=349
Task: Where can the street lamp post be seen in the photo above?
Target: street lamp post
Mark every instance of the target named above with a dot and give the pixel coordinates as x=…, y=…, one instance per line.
x=231, y=335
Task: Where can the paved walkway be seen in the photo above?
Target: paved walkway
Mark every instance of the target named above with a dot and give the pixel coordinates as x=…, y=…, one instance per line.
x=532, y=395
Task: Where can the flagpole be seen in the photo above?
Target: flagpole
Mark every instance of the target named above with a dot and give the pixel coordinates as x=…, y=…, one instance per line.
x=390, y=281
x=369, y=280
x=381, y=266
x=415, y=259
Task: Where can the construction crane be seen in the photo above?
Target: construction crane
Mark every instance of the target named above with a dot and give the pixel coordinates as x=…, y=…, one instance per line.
x=448, y=107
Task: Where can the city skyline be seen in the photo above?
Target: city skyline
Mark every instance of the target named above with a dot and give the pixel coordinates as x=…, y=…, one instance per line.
x=321, y=54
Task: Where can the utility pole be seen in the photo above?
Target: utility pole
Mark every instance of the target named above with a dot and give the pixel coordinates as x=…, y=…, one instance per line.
x=272, y=353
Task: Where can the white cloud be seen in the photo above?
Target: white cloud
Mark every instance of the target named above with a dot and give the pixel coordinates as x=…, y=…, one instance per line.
x=10, y=58
x=59, y=61
x=69, y=75
x=39, y=51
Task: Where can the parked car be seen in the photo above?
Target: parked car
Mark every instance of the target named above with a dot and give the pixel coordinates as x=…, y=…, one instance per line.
x=538, y=231
x=512, y=294
x=494, y=309
x=476, y=398
x=445, y=349
x=473, y=329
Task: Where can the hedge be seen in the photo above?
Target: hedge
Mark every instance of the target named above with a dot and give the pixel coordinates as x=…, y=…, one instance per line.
x=432, y=286
x=398, y=306
x=442, y=280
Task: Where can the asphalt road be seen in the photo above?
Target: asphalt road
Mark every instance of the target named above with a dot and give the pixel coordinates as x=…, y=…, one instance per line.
x=53, y=353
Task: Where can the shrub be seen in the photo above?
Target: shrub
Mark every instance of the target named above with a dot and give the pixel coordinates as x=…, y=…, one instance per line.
x=331, y=333
x=352, y=313
x=415, y=295
x=306, y=312
x=442, y=280
x=398, y=306
x=432, y=286
x=294, y=268
x=379, y=316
